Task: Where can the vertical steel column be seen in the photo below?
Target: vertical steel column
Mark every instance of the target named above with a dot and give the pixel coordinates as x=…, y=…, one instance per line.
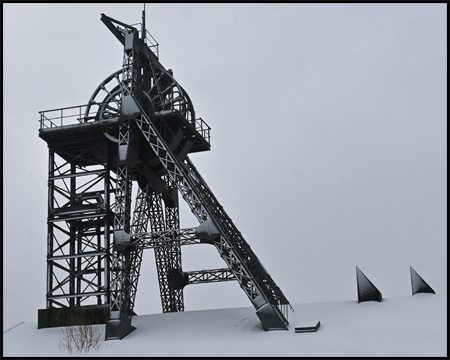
x=99, y=261
x=157, y=223
x=107, y=235
x=139, y=226
x=119, y=324
x=167, y=256
x=51, y=193
x=122, y=237
x=79, y=246
x=173, y=250
x=74, y=253
x=72, y=239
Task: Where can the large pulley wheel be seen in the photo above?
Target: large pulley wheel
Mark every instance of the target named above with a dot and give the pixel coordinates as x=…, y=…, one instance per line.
x=104, y=103
x=163, y=94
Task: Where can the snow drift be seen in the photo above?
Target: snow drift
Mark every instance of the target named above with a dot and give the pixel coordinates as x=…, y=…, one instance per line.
x=404, y=326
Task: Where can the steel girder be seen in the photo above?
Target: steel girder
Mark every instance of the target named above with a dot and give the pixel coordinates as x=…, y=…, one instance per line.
x=155, y=239
x=249, y=272
x=172, y=252
x=165, y=95
x=168, y=255
x=207, y=276
x=245, y=254
x=122, y=272
x=141, y=218
x=78, y=234
x=120, y=256
x=145, y=101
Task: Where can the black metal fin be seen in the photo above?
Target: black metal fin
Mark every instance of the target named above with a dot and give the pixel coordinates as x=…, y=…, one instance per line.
x=366, y=290
x=418, y=284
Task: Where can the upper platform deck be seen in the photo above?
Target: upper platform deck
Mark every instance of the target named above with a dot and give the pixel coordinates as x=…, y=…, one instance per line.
x=78, y=137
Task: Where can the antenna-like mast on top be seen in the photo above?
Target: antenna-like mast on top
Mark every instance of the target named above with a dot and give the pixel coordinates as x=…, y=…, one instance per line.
x=143, y=23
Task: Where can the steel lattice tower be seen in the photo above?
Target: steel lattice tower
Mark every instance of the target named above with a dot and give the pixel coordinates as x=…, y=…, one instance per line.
x=136, y=130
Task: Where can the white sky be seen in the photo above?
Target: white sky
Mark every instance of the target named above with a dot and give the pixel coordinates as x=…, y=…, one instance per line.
x=328, y=138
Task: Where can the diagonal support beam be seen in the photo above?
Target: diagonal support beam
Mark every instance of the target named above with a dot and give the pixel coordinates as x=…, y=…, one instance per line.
x=253, y=278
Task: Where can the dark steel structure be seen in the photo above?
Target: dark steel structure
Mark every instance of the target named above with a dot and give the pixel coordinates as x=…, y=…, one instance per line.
x=367, y=291
x=418, y=284
x=131, y=141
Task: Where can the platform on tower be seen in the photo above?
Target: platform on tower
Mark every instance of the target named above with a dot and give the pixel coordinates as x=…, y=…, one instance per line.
x=79, y=138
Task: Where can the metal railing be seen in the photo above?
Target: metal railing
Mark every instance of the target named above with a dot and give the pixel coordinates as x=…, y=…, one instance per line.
x=149, y=40
x=73, y=115
x=153, y=45
x=203, y=129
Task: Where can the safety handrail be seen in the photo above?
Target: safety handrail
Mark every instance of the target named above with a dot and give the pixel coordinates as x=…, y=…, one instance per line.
x=65, y=116
x=203, y=129
x=74, y=115
x=149, y=40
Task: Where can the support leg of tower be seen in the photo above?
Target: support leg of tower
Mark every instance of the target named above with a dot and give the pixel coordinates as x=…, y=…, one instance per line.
x=232, y=247
x=168, y=256
x=118, y=326
x=173, y=252
x=270, y=318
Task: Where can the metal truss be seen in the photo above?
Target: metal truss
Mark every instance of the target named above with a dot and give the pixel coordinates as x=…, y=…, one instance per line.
x=245, y=255
x=168, y=254
x=249, y=272
x=139, y=225
x=207, y=276
x=120, y=257
x=95, y=245
x=124, y=265
x=155, y=239
x=157, y=223
x=78, y=234
x=172, y=251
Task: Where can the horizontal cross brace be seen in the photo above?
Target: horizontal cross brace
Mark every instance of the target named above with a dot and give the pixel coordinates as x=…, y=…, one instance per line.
x=162, y=238
x=65, y=176
x=94, y=293
x=77, y=217
x=207, y=276
x=86, y=254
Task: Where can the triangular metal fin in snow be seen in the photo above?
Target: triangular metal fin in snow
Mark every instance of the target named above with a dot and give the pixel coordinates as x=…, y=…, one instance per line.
x=418, y=284
x=366, y=290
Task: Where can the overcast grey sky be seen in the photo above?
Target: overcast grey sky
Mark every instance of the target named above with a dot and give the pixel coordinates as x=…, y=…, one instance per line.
x=329, y=138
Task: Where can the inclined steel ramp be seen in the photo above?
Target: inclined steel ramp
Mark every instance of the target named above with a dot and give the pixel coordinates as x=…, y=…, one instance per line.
x=265, y=295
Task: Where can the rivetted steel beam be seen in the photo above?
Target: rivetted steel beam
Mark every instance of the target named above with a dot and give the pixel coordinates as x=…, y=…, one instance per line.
x=179, y=279
x=82, y=255
x=264, y=294
x=154, y=239
x=78, y=174
x=208, y=276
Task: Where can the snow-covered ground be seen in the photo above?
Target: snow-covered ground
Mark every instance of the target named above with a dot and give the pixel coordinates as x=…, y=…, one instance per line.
x=404, y=326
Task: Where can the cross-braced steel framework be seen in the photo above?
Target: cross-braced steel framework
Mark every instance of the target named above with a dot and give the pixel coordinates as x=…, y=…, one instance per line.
x=138, y=128
x=78, y=232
